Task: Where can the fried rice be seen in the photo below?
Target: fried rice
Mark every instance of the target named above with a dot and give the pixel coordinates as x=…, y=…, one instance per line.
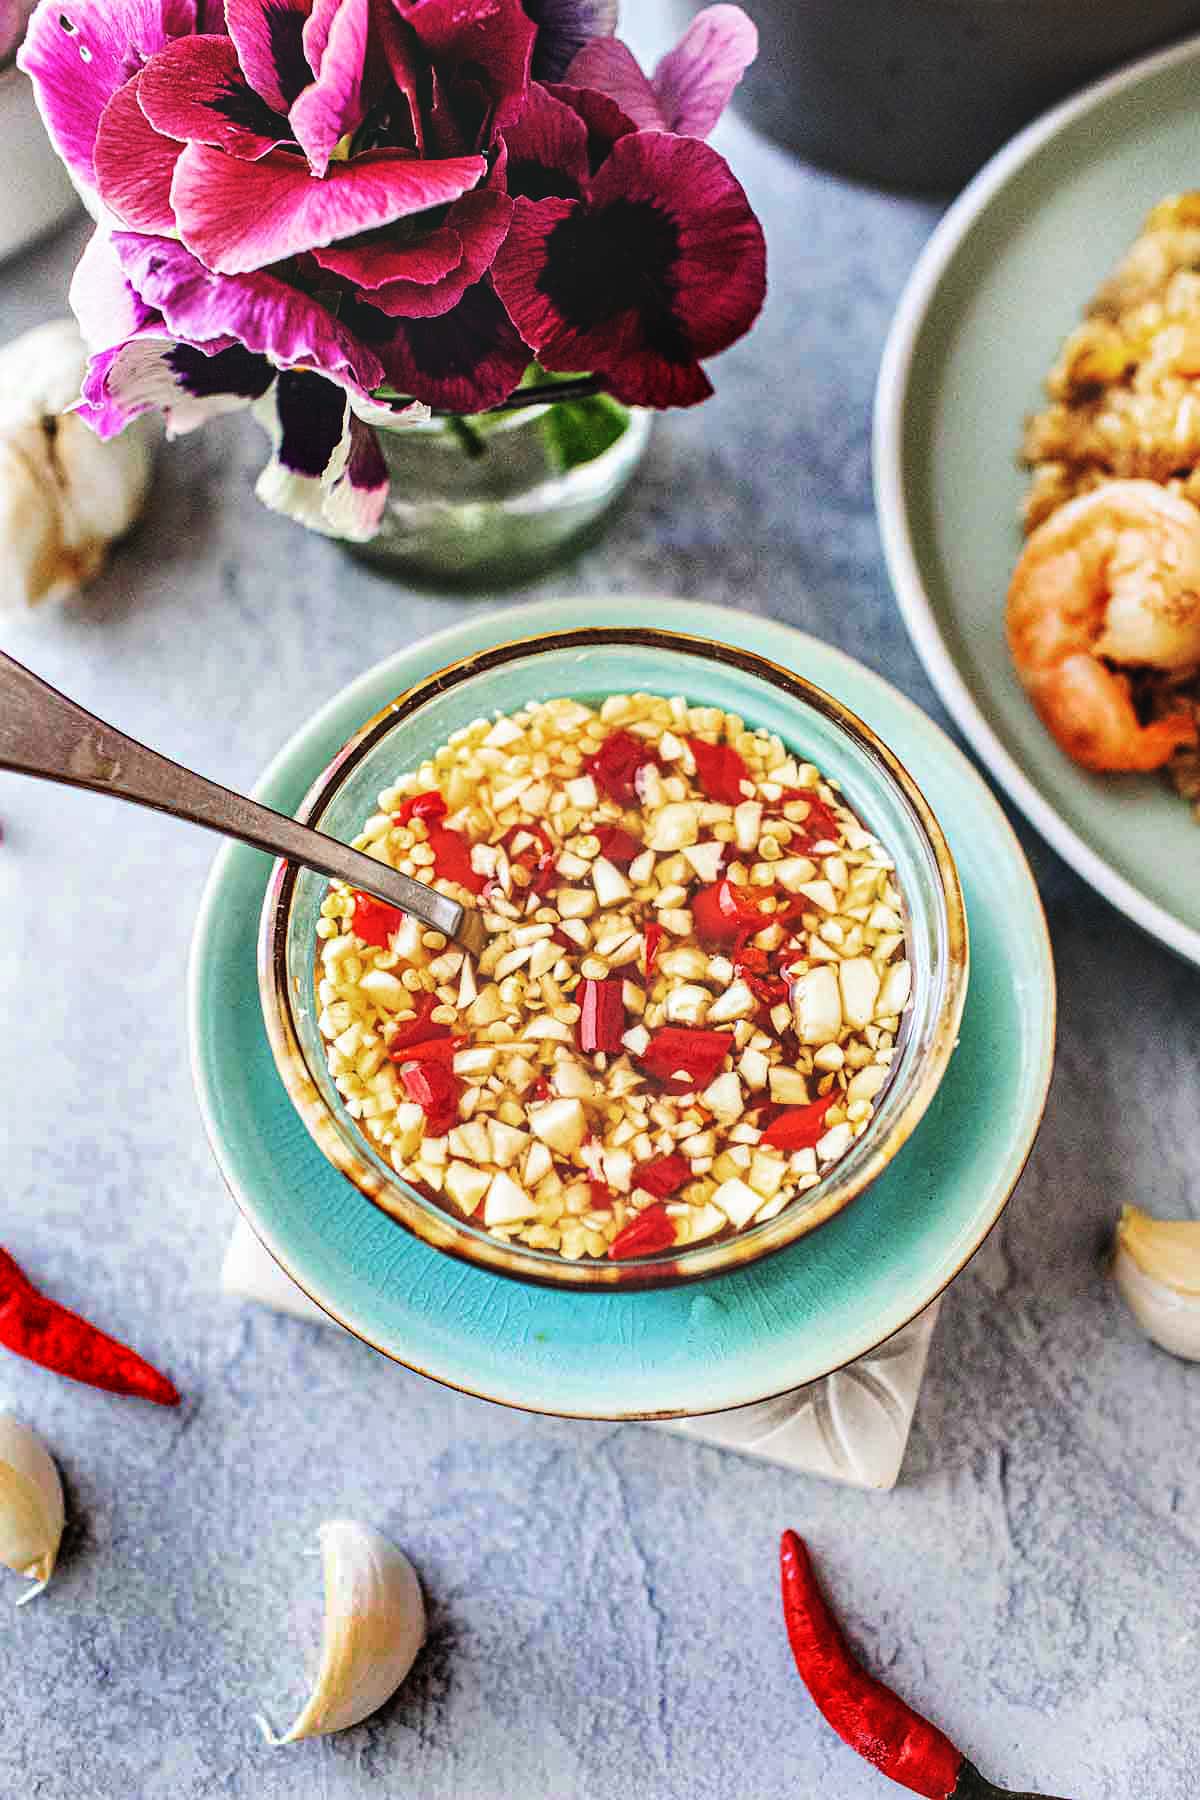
x=1124, y=402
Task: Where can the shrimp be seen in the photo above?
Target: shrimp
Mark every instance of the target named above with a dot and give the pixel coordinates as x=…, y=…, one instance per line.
x=1111, y=578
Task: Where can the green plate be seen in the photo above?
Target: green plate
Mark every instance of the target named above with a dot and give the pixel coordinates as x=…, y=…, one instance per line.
x=1001, y=282
x=740, y=1337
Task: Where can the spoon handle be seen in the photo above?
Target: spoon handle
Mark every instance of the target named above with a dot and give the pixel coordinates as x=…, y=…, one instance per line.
x=43, y=733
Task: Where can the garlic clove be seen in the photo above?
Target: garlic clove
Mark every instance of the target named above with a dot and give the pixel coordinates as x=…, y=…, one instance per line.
x=65, y=493
x=1156, y=1265
x=374, y=1627
x=31, y=1505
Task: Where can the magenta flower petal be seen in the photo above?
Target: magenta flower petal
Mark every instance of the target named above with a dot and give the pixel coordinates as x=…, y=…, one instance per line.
x=151, y=372
x=484, y=44
x=383, y=256
x=269, y=38
x=327, y=470
x=603, y=118
x=239, y=216
x=333, y=105
x=464, y=362
x=105, y=304
x=133, y=163
x=481, y=221
x=195, y=89
x=695, y=81
x=547, y=149
x=80, y=52
x=564, y=27
x=610, y=67
x=260, y=311
x=662, y=264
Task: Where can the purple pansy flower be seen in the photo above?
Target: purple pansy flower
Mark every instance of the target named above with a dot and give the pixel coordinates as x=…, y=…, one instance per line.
x=340, y=213
x=692, y=85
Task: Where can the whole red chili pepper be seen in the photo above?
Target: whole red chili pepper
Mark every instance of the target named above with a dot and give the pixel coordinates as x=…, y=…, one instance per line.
x=49, y=1334
x=865, y=1714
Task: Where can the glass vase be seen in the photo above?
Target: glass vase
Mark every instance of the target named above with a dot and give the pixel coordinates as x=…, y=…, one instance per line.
x=495, y=499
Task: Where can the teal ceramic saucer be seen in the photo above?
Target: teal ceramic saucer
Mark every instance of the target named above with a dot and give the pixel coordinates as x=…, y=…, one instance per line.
x=741, y=1337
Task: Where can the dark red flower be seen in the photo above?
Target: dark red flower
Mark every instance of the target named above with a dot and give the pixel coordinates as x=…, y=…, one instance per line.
x=658, y=263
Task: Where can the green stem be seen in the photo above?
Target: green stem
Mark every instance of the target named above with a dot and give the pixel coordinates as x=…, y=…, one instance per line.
x=469, y=436
x=545, y=395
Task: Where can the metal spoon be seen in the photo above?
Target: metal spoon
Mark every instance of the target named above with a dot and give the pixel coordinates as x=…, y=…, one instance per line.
x=43, y=733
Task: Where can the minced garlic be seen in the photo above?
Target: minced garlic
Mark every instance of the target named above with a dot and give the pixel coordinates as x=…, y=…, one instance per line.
x=687, y=1004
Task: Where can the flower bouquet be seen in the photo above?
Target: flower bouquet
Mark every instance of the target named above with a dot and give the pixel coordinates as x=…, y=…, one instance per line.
x=360, y=217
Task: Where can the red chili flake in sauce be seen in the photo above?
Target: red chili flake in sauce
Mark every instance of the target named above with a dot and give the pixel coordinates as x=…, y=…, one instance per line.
x=821, y=823
x=538, y=857
x=430, y=1050
x=452, y=859
x=719, y=770
x=618, y=845
x=436, y=1091
x=542, y=1089
x=602, y=1015
x=375, y=920
x=724, y=912
x=654, y=934
x=698, y=1054
x=616, y=763
x=664, y=1176
x=428, y=806
x=420, y=1029
x=799, y=1127
x=651, y=1231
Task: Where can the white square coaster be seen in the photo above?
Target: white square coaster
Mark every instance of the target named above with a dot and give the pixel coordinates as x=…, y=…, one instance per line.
x=852, y=1426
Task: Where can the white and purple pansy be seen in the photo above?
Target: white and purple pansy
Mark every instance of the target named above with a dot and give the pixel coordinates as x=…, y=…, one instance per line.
x=343, y=213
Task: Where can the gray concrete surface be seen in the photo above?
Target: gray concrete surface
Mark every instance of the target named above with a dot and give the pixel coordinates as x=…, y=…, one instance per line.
x=603, y=1598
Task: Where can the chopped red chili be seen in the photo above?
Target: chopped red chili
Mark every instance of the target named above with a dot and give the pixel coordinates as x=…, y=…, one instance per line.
x=651, y=1231
x=724, y=912
x=452, y=859
x=602, y=1015
x=821, y=823
x=428, y=806
x=616, y=763
x=719, y=770
x=542, y=1089
x=683, y=1058
x=664, y=1176
x=429, y=1050
x=800, y=1127
x=375, y=920
x=538, y=857
x=602, y=1196
x=619, y=846
x=654, y=934
x=57, y=1339
x=420, y=1029
x=865, y=1714
x=436, y=1091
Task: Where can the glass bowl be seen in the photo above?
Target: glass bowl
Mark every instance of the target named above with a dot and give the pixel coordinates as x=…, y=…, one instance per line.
x=588, y=665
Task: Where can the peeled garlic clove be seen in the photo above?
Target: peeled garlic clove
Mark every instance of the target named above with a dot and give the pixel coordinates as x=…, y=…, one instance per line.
x=374, y=1627
x=31, y=1505
x=1156, y=1265
x=65, y=494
